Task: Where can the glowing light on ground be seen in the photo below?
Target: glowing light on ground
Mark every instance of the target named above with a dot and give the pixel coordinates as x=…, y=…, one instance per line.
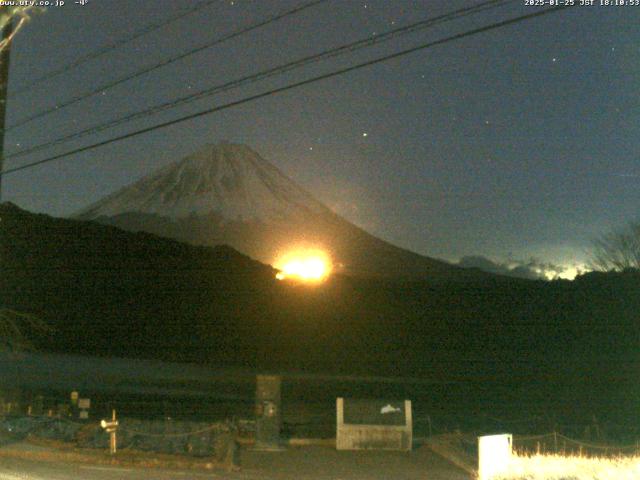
x=304, y=265
x=568, y=272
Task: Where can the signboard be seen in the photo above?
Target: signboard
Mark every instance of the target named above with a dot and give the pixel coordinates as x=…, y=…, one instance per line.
x=374, y=412
x=494, y=456
x=373, y=424
x=84, y=403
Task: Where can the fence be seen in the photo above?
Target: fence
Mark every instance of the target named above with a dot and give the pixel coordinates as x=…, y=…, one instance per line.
x=161, y=436
x=561, y=444
x=307, y=418
x=310, y=412
x=594, y=432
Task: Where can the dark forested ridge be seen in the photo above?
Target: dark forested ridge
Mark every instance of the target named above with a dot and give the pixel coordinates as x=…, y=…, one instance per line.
x=109, y=292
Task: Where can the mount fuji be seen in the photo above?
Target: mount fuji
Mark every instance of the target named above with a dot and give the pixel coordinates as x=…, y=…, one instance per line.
x=228, y=194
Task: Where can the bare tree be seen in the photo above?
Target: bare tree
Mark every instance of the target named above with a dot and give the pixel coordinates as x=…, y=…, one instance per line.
x=20, y=14
x=17, y=328
x=617, y=250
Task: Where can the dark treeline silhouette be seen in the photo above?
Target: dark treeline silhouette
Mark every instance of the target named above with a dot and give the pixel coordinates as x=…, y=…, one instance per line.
x=508, y=343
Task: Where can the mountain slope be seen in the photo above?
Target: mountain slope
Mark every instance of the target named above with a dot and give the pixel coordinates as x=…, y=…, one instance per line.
x=228, y=194
x=109, y=292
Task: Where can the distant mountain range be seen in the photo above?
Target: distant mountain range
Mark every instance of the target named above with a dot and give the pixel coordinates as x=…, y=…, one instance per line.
x=228, y=194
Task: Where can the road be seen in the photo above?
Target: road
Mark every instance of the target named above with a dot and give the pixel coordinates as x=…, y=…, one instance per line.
x=20, y=469
x=307, y=463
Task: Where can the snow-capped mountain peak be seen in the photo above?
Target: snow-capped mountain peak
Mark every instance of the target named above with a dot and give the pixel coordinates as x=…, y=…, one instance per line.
x=228, y=194
x=230, y=180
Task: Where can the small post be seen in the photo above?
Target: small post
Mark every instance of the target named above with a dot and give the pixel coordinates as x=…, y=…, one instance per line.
x=113, y=442
x=268, y=413
x=111, y=428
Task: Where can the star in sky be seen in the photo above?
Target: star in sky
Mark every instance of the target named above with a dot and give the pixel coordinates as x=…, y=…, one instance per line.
x=467, y=133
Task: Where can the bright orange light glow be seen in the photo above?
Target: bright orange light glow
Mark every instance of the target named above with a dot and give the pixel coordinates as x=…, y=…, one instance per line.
x=304, y=265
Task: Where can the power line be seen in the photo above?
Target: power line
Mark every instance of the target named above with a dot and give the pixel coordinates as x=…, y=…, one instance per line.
x=112, y=46
x=163, y=63
x=291, y=86
x=278, y=70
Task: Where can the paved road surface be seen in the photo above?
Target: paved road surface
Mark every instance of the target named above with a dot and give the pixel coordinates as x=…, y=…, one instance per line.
x=309, y=463
x=19, y=469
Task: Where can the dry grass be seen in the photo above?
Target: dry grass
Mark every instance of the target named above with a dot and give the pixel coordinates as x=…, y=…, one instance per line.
x=558, y=467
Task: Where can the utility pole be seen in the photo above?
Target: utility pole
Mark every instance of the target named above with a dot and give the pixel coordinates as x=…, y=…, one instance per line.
x=5, y=55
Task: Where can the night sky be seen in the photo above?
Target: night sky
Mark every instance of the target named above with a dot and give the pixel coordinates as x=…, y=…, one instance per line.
x=515, y=143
